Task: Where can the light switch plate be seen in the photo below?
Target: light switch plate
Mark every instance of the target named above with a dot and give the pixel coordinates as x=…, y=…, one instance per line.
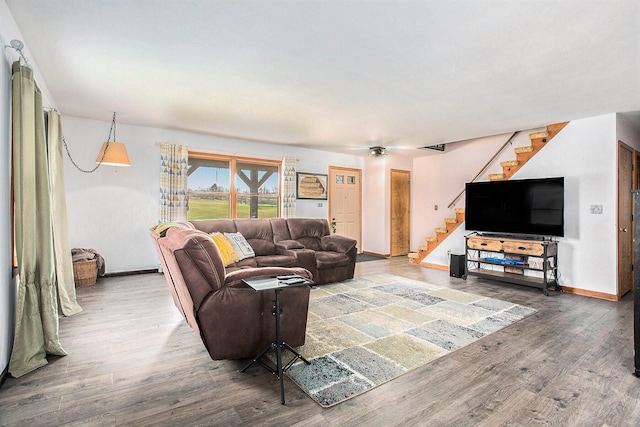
x=596, y=209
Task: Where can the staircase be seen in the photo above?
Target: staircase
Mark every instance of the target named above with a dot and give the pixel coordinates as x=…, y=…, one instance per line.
x=441, y=234
x=524, y=154
x=510, y=167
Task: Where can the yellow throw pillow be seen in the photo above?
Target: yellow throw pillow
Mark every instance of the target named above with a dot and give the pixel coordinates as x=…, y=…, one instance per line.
x=227, y=252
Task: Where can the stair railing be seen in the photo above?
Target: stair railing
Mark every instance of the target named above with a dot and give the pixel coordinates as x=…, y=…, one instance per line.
x=484, y=168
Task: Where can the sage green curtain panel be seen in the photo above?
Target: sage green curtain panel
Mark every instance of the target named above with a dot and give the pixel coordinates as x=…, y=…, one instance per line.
x=64, y=265
x=36, y=333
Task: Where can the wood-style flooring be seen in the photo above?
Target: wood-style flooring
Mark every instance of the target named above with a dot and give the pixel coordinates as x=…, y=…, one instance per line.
x=134, y=361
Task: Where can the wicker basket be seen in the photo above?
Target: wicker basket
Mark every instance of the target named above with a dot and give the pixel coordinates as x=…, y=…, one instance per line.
x=85, y=272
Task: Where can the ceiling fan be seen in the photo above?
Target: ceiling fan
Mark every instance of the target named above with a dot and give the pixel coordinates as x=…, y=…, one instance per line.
x=377, y=151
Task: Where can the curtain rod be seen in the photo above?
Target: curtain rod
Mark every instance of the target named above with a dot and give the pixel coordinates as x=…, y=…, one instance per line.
x=18, y=46
x=225, y=153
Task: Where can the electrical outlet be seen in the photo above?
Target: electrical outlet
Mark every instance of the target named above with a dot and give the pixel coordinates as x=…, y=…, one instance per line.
x=449, y=252
x=596, y=209
x=435, y=208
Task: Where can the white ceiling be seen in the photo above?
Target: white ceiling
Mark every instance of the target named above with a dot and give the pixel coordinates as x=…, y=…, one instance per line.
x=339, y=75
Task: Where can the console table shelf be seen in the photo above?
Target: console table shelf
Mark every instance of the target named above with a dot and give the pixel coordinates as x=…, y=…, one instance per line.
x=520, y=256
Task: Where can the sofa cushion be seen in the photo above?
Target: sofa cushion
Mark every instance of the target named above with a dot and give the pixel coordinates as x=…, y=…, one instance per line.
x=276, y=261
x=215, y=225
x=245, y=263
x=280, y=229
x=289, y=244
x=259, y=235
x=227, y=252
x=331, y=260
x=240, y=245
x=308, y=231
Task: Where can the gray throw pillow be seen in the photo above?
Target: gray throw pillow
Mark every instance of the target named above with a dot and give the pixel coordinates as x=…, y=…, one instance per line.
x=240, y=245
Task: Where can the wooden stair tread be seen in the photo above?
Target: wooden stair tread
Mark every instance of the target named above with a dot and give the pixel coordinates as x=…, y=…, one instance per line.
x=527, y=149
x=524, y=154
x=496, y=176
x=458, y=210
x=542, y=134
x=423, y=247
x=413, y=255
x=450, y=220
x=509, y=163
x=431, y=239
x=555, y=128
x=441, y=230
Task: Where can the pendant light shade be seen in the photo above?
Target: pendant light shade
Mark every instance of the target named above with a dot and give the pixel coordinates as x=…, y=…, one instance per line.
x=113, y=153
x=116, y=154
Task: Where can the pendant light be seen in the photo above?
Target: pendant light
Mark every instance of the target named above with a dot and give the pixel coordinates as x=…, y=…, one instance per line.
x=113, y=153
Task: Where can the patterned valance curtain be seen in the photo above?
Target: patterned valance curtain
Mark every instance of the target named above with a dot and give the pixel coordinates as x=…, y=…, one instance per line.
x=174, y=163
x=289, y=187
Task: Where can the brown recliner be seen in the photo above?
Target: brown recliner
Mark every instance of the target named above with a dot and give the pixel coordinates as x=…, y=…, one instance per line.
x=334, y=256
x=232, y=319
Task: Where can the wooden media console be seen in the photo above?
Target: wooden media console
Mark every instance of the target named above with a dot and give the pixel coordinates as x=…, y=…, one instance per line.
x=522, y=261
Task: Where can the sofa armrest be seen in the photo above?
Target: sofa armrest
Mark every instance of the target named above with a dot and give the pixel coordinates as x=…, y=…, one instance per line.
x=234, y=279
x=337, y=243
x=289, y=244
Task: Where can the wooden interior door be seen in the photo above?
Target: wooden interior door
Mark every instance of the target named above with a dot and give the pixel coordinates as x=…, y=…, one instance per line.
x=400, y=212
x=345, y=202
x=636, y=170
x=625, y=211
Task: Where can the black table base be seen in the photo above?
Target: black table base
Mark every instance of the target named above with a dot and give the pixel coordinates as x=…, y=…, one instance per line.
x=278, y=344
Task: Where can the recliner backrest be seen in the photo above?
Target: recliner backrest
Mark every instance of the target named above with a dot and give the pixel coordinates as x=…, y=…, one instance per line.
x=258, y=234
x=215, y=226
x=308, y=231
x=280, y=229
x=199, y=261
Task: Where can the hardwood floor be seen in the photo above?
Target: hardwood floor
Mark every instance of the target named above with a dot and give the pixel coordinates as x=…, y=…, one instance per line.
x=134, y=361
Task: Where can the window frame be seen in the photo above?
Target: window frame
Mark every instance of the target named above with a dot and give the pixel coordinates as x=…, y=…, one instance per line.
x=233, y=161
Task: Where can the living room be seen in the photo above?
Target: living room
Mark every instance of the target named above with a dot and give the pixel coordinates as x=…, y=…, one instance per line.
x=111, y=210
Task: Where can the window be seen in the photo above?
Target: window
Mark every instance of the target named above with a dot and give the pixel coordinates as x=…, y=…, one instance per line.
x=257, y=190
x=231, y=187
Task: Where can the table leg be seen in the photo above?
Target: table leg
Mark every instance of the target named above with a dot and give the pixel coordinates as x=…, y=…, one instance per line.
x=279, y=346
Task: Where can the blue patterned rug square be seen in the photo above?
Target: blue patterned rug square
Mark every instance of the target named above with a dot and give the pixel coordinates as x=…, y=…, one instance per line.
x=369, y=330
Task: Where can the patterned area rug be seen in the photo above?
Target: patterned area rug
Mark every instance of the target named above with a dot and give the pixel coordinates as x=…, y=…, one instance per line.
x=364, y=332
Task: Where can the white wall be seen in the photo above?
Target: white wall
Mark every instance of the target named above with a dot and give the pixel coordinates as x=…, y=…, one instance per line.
x=112, y=209
x=375, y=201
x=585, y=153
x=7, y=284
x=439, y=177
x=375, y=226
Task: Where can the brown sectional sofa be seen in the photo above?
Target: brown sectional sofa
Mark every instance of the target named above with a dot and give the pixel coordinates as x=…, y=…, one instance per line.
x=291, y=242
x=232, y=319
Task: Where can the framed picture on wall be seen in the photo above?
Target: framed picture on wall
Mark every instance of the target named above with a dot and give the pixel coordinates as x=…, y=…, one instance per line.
x=311, y=186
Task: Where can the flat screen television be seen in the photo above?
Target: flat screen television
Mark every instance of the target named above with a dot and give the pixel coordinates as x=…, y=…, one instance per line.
x=526, y=206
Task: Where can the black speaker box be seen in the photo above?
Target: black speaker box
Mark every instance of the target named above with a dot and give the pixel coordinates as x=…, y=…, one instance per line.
x=456, y=265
